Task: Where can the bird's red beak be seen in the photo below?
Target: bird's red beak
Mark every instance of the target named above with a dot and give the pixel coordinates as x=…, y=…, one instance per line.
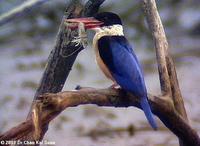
x=89, y=22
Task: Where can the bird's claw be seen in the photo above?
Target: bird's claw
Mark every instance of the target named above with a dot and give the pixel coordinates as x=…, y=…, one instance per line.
x=115, y=86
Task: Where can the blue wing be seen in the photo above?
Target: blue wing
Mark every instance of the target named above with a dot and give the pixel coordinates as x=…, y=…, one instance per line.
x=119, y=57
x=117, y=54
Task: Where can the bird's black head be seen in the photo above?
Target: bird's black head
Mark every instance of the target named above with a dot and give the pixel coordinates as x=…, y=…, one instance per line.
x=108, y=18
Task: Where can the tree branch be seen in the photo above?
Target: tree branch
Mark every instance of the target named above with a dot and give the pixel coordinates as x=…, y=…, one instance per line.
x=161, y=44
x=19, y=10
x=63, y=54
x=92, y=7
x=169, y=107
x=176, y=92
x=167, y=71
x=53, y=104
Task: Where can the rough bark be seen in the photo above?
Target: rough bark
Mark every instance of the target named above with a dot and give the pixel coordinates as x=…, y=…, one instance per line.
x=52, y=105
x=161, y=44
x=169, y=107
x=63, y=55
x=166, y=68
x=61, y=58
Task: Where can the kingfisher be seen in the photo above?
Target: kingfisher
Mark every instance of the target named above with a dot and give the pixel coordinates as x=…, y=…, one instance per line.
x=116, y=57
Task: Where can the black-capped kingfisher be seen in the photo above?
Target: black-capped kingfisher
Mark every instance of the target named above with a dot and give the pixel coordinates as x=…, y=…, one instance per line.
x=116, y=57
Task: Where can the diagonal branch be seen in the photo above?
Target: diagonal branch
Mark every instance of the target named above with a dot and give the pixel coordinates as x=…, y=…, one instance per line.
x=65, y=51
x=19, y=10
x=53, y=104
x=92, y=7
x=61, y=58
x=64, y=54
x=176, y=92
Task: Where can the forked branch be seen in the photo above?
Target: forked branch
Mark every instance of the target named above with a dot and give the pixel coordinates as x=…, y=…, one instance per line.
x=166, y=68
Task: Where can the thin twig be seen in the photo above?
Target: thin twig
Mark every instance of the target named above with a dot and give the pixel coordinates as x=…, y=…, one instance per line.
x=19, y=10
x=176, y=92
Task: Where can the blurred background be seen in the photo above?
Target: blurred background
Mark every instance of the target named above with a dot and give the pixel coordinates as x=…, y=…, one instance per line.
x=26, y=42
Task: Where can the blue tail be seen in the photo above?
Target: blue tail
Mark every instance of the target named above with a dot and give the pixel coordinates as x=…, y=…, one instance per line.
x=147, y=111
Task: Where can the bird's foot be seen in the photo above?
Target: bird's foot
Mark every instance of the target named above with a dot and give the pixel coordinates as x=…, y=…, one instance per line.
x=114, y=86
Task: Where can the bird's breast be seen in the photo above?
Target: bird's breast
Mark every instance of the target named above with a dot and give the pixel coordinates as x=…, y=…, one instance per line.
x=100, y=62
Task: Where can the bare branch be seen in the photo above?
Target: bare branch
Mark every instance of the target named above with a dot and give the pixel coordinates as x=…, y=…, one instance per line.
x=92, y=7
x=168, y=107
x=166, y=67
x=165, y=62
x=160, y=41
x=53, y=104
x=63, y=54
x=19, y=10
x=176, y=92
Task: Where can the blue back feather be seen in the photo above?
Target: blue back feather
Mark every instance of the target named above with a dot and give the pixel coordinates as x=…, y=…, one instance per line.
x=117, y=54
